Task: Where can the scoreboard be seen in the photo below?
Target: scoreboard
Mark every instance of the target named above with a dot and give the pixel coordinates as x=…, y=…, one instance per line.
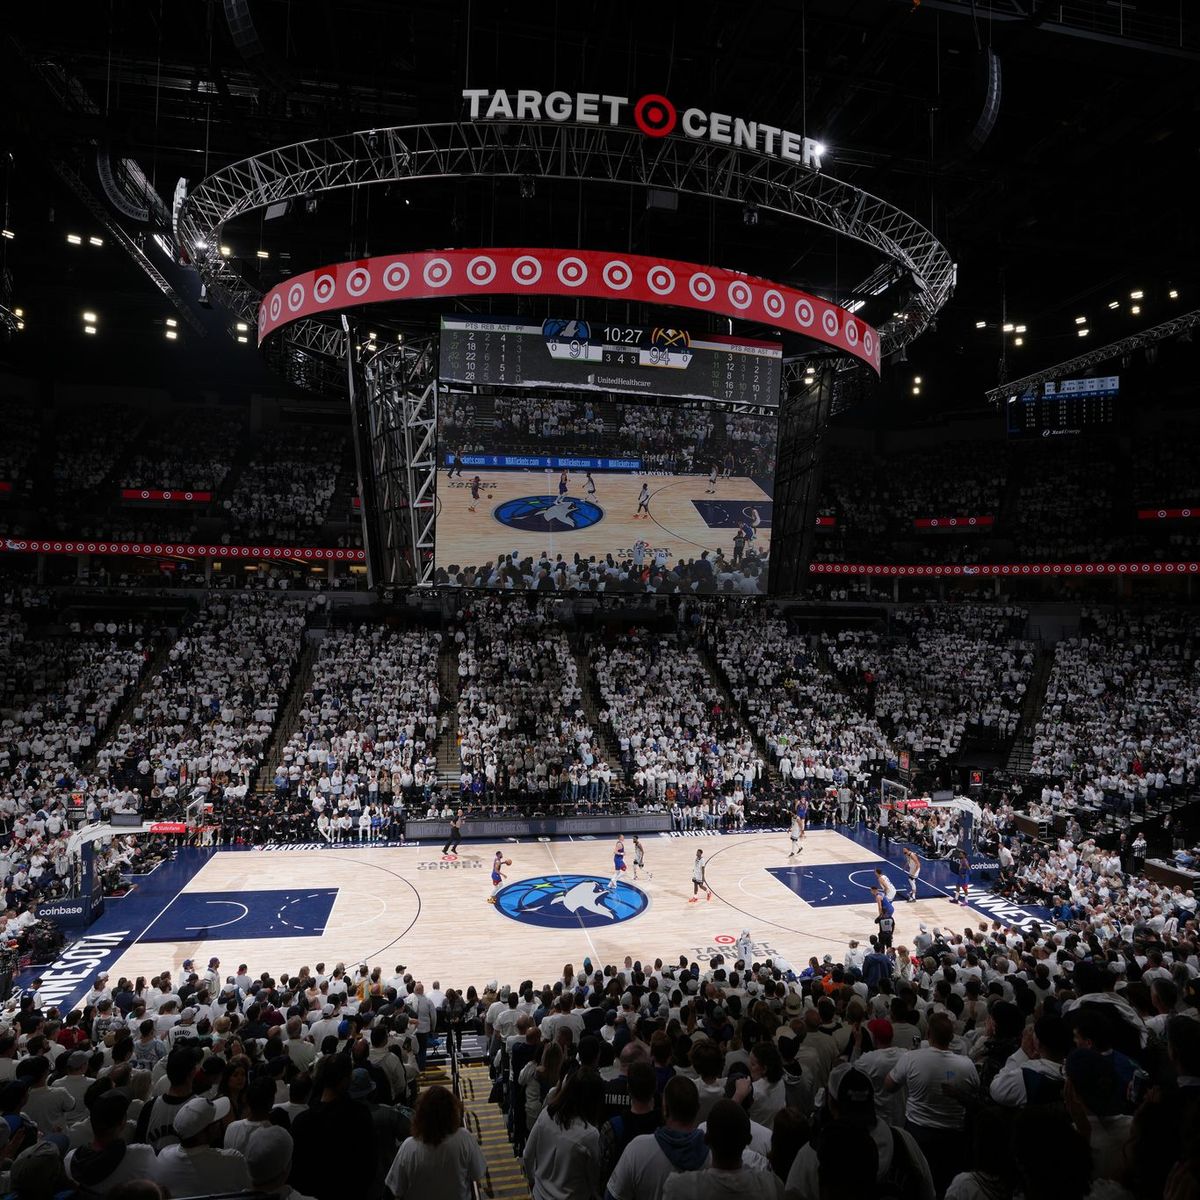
x=633, y=359
x=1070, y=409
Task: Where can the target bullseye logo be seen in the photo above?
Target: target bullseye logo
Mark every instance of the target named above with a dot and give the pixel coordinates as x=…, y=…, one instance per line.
x=829, y=322
x=323, y=289
x=660, y=280
x=617, y=275
x=526, y=270
x=702, y=287
x=481, y=270
x=295, y=296
x=395, y=276
x=358, y=281
x=437, y=272
x=804, y=313
x=739, y=294
x=654, y=115
x=773, y=304
x=852, y=333
x=868, y=342
x=276, y=307
x=572, y=271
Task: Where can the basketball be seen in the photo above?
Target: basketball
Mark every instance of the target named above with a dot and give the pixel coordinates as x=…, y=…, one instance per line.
x=508, y=862
x=490, y=495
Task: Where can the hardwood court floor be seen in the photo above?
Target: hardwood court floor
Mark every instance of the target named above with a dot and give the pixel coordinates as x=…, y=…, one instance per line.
x=676, y=526
x=389, y=905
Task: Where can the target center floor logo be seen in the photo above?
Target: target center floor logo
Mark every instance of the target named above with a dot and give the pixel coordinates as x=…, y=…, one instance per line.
x=568, y=901
x=553, y=514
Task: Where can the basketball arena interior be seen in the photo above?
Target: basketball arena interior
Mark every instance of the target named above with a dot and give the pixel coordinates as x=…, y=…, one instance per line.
x=600, y=604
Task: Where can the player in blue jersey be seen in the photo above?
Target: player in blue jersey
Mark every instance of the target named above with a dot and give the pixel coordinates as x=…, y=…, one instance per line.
x=562, y=484
x=618, y=861
x=497, y=876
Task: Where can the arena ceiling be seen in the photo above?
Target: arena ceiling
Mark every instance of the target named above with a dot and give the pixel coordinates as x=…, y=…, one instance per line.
x=1076, y=198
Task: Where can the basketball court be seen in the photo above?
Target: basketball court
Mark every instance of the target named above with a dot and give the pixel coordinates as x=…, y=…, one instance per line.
x=522, y=511
x=280, y=908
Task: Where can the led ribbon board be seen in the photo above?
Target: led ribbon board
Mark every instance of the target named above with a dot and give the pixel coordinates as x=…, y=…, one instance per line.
x=435, y=274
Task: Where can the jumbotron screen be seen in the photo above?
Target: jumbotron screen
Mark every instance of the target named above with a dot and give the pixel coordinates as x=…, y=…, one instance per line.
x=566, y=493
x=589, y=356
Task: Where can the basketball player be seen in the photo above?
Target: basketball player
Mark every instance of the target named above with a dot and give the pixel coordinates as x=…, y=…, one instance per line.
x=755, y=520
x=912, y=867
x=497, y=875
x=802, y=812
x=796, y=831
x=639, y=859
x=711, y=490
x=562, y=484
x=886, y=918
x=618, y=862
x=962, y=869
x=455, y=464
x=475, y=489
x=590, y=487
x=885, y=885
x=643, y=504
x=698, y=878
x=451, y=846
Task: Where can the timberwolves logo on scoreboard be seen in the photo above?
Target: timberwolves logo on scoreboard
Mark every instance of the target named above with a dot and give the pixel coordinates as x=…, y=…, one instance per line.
x=566, y=338
x=568, y=901
x=549, y=514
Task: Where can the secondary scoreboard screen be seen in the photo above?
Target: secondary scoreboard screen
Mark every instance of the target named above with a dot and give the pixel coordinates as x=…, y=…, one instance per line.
x=1070, y=407
x=635, y=359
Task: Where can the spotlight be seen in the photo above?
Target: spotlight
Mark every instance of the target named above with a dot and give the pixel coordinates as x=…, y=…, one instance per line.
x=171, y=322
x=1135, y=309
x=1114, y=304
x=980, y=324
x=916, y=391
x=1172, y=293
x=262, y=254
x=7, y=233
x=74, y=239
x=1018, y=341
x=90, y=318
x=18, y=312
x=225, y=252
x=1136, y=295
x=243, y=338
x=89, y=329
x=1083, y=332
x=203, y=299
x=528, y=187
x=95, y=241
x=1020, y=328
x=172, y=334
x=916, y=379
x=242, y=327
x=1081, y=320
x=1007, y=327
x=201, y=244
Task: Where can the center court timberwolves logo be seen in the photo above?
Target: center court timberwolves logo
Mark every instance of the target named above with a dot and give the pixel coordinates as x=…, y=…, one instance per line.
x=549, y=514
x=568, y=901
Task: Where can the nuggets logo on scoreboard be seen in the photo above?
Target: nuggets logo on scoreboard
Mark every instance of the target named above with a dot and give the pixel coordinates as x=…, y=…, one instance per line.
x=549, y=514
x=568, y=901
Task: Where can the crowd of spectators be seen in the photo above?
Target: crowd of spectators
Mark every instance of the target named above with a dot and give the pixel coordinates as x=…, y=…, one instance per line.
x=1121, y=719
x=941, y=672
x=18, y=419
x=88, y=442
x=816, y=733
x=194, y=451
x=284, y=492
x=1061, y=1062
x=522, y=724
x=669, y=721
x=200, y=724
x=366, y=728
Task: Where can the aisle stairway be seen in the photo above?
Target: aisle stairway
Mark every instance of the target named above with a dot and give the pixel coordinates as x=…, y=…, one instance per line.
x=505, y=1179
x=289, y=718
x=1020, y=757
x=449, y=763
x=592, y=705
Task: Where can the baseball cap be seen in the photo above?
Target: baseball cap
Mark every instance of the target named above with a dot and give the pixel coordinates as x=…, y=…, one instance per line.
x=794, y=1004
x=77, y=1059
x=198, y=1114
x=327, y=1011
x=852, y=1090
x=881, y=1027
x=269, y=1152
x=361, y=1084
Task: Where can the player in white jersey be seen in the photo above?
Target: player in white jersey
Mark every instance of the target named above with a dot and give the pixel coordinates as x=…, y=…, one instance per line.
x=698, y=878
x=639, y=858
x=795, y=836
x=643, y=505
x=711, y=490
